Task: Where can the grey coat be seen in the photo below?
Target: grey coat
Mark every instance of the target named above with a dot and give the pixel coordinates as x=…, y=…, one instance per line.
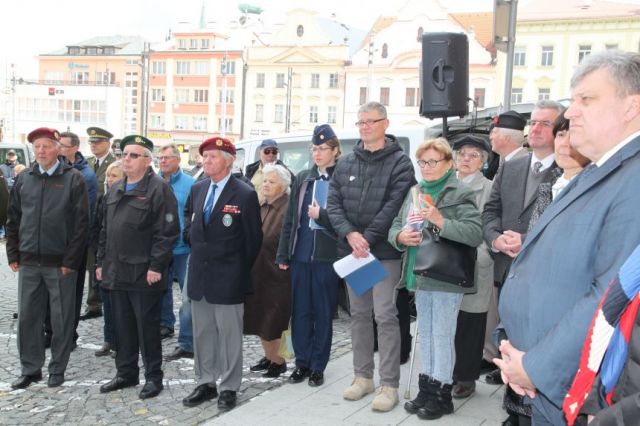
x=479, y=302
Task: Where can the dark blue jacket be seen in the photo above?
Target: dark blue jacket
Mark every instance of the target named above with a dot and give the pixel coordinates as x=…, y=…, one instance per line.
x=91, y=182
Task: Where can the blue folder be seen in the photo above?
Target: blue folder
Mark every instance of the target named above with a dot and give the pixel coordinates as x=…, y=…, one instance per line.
x=361, y=274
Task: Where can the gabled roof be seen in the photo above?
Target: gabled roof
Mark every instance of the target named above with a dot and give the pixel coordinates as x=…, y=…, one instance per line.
x=479, y=23
x=125, y=45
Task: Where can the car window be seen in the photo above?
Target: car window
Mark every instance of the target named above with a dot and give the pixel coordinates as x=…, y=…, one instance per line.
x=19, y=153
x=297, y=157
x=238, y=163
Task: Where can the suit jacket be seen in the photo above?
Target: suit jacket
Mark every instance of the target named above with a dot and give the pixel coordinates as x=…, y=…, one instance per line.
x=101, y=173
x=223, y=250
x=565, y=264
x=507, y=208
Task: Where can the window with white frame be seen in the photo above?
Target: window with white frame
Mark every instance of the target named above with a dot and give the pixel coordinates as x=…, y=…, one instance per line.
x=80, y=77
x=333, y=81
x=183, y=67
x=227, y=67
x=259, y=113
x=201, y=67
x=204, y=43
x=411, y=96
x=278, y=116
x=158, y=67
x=104, y=77
x=200, y=123
x=516, y=95
x=279, y=80
x=181, y=122
x=157, y=95
x=519, y=56
x=384, y=95
x=182, y=95
x=228, y=97
x=193, y=43
x=260, y=80
x=315, y=80
x=228, y=124
x=546, y=59
x=544, y=93
x=362, y=97
x=182, y=44
x=583, y=50
x=313, y=114
x=157, y=121
x=201, y=95
x=332, y=114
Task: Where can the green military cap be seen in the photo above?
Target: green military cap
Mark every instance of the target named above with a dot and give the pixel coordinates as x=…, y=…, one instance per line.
x=98, y=134
x=137, y=140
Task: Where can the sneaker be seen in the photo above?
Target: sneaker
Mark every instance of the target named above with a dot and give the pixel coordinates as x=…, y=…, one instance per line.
x=386, y=399
x=360, y=387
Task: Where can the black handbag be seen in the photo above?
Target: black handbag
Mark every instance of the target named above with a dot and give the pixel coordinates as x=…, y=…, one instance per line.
x=445, y=260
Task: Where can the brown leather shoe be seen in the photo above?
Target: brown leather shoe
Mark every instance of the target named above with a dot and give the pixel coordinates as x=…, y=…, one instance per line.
x=463, y=390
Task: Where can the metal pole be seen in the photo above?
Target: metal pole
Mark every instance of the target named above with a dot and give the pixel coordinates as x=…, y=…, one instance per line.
x=287, y=124
x=223, y=114
x=513, y=15
x=407, y=392
x=13, y=103
x=370, y=70
x=145, y=88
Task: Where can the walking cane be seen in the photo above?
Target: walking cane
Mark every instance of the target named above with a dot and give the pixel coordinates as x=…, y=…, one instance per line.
x=407, y=392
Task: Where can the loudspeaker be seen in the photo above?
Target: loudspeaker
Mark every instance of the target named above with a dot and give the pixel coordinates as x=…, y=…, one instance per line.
x=444, y=75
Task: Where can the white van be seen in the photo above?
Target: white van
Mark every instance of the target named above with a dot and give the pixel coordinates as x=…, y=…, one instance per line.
x=24, y=152
x=294, y=147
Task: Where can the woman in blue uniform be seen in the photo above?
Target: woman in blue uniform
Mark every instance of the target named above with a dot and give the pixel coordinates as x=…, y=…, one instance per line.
x=308, y=247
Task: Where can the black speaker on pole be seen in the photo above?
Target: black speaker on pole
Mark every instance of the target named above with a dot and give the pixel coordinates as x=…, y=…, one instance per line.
x=444, y=76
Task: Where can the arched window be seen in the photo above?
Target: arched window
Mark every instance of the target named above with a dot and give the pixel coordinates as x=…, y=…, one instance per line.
x=420, y=32
x=385, y=50
x=300, y=31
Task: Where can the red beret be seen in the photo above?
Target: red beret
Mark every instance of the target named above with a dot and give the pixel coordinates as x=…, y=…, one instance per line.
x=218, y=143
x=44, y=132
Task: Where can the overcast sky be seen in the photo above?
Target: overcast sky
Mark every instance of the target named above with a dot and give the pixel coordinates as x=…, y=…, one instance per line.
x=32, y=27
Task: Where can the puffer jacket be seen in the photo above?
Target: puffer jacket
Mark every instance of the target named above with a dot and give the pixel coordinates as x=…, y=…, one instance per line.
x=365, y=194
x=91, y=182
x=181, y=184
x=457, y=204
x=139, y=230
x=48, y=217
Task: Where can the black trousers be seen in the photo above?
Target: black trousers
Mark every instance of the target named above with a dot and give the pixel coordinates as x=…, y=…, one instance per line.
x=136, y=321
x=469, y=344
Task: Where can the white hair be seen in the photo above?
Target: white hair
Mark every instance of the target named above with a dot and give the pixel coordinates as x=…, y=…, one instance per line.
x=280, y=171
x=515, y=136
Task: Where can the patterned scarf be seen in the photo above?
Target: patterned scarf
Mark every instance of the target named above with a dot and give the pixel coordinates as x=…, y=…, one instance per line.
x=607, y=340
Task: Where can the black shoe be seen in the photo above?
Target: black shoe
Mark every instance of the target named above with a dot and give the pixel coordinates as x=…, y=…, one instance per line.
x=437, y=404
x=114, y=354
x=151, y=389
x=166, y=332
x=425, y=391
x=494, y=378
x=104, y=350
x=200, y=394
x=177, y=354
x=486, y=366
x=316, y=378
x=512, y=420
x=262, y=365
x=24, y=381
x=299, y=374
x=462, y=390
x=90, y=314
x=118, y=383
x=55, y=380
x=74, y=346
x=275, y=370
x=227, y=400
x=404, y=357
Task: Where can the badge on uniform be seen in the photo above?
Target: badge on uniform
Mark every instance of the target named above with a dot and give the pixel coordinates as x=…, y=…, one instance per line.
x=227, y=220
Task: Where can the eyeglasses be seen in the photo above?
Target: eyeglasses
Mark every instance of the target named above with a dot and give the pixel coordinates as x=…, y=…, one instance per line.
x=468, y=154
x=270, y=151
x=319, y=148
x=167, y=157
x=431, y=163
x=368, y=123
x=545, y=123
x=133, y=155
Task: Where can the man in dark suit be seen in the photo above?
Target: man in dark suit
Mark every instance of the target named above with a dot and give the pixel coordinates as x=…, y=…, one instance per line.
x=580, y=241
x=102, y=158
x=225, y=233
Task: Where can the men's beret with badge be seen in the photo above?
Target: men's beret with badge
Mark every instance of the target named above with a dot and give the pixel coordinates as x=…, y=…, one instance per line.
x=136, y=140
x=43, y=132
x=221, y=144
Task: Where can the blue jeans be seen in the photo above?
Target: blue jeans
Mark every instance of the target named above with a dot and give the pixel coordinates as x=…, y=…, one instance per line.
x=437, y=319
x=178, y=270
x=185, y=338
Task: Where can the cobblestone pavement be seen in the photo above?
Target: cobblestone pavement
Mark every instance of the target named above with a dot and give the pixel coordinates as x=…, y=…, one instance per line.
x=79, y=401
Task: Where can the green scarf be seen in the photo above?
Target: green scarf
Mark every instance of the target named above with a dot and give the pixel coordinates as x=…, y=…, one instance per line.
x=433, y=189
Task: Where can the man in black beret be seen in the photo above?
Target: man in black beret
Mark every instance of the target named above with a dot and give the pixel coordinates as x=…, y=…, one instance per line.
x=139, y=229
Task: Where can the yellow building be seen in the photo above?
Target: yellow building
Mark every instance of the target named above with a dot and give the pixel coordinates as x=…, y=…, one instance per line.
x=552, y=37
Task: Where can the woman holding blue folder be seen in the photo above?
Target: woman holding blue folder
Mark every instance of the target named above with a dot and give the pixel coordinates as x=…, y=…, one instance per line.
x=308, y=247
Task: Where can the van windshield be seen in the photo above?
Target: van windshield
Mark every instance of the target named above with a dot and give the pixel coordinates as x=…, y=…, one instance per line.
x=297, y=157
